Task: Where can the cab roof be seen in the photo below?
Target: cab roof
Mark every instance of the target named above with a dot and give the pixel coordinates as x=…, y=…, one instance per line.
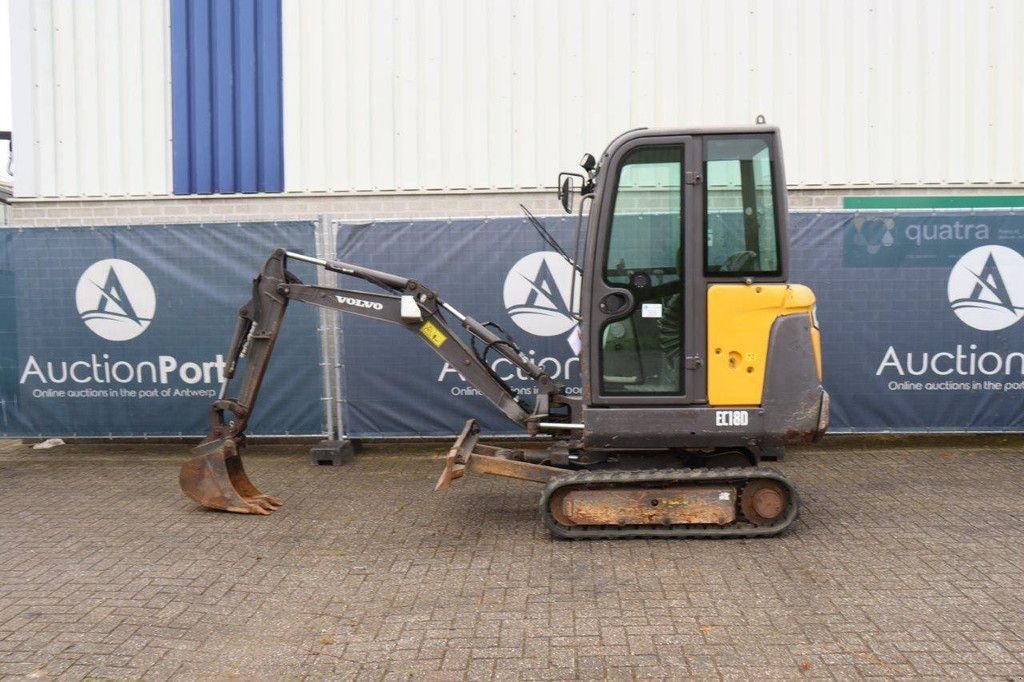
x=638, y=133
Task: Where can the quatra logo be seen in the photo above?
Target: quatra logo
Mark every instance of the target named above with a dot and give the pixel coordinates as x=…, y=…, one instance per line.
x=986, y=287
x=536, y=294
x=873, y=234
x=115, y=299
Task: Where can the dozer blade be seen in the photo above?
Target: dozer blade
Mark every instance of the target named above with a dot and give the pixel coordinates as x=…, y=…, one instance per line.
x=216, y=479
x=458, y=455
x=467, y=454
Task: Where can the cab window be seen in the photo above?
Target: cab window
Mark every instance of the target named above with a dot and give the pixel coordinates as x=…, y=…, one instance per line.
x=646, y=233
x=641, y=353
x=740, y=230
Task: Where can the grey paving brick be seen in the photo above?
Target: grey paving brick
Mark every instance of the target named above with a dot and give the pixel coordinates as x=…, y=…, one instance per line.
x=905, y=563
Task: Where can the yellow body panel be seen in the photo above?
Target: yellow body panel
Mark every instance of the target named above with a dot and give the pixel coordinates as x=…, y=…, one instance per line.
x=740, y=318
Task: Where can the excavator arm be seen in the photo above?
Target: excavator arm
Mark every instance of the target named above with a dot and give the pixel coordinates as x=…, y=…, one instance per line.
x=215, y=477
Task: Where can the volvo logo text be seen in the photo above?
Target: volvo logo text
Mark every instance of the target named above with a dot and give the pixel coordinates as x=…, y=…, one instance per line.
x=360, y=303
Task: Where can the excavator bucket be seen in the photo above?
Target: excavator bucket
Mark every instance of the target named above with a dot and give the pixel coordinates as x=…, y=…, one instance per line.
x=214, y=476
x=216, y=479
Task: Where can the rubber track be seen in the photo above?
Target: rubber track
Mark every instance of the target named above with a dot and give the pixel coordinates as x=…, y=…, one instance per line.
x=738, y=476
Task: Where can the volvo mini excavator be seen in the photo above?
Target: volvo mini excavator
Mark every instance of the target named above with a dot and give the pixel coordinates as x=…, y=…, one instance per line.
x=699, y=359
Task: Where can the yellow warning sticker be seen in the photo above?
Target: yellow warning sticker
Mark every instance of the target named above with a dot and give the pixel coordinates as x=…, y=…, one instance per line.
x=433, y=334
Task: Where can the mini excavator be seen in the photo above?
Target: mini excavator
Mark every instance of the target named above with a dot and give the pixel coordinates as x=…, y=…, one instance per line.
x=699, y=360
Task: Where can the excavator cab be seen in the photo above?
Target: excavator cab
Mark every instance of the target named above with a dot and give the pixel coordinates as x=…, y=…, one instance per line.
x=699, y=359
x=694, y=329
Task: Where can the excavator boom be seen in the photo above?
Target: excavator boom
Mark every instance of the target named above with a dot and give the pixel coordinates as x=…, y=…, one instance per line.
x=215, y=478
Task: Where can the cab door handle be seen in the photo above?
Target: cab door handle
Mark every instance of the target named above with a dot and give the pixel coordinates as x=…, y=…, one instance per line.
x=615, y=303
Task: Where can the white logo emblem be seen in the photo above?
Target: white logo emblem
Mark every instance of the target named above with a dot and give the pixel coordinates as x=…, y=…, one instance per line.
x=986, y=287
x=537, y=294
x=115, y=299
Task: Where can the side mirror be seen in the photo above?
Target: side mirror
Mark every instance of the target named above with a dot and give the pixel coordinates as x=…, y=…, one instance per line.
x=566, y=186
x=565, y=189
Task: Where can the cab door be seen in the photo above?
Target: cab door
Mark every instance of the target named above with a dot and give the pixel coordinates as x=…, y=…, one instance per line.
x=644, y=326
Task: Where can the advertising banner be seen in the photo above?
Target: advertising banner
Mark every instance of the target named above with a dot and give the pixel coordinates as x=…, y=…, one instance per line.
x=496, y=270
x=920, y=316
x=122, y=331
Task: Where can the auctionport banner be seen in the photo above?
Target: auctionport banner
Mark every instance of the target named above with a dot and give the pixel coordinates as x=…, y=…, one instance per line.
x=495, y=270
x=118, y=331
x=920, y=314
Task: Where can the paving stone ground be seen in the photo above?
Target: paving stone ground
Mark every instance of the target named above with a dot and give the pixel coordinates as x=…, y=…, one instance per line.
x=907, y=561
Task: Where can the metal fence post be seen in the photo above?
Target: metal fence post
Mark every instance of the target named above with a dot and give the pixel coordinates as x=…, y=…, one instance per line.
x=337, y=340
x=325, y=322
x=336, y=449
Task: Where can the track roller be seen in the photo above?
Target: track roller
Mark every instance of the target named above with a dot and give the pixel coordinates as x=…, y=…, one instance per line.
x=670, y=503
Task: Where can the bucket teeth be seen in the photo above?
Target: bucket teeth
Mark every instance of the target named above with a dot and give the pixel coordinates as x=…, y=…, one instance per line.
x=216, y=479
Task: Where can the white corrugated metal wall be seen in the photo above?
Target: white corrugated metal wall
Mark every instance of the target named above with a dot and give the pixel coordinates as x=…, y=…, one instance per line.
x=502, y=94
x=490, y=94
x=91, y=96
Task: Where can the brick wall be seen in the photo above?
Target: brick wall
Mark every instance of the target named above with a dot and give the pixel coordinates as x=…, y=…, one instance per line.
x=277, y=207
x=31, y=213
